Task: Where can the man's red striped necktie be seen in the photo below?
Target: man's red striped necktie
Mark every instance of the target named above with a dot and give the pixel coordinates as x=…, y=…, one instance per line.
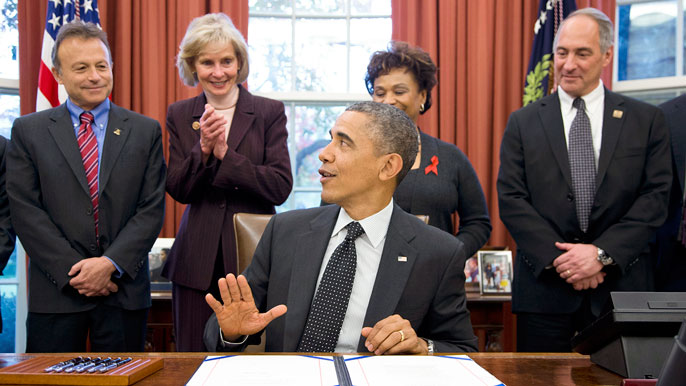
x=88, y=146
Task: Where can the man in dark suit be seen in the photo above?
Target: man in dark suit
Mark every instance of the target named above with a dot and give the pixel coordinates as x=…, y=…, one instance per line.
x=86, y=187
x=582, y=187
x=407, y=295
x=668, y=249
x=7, y=236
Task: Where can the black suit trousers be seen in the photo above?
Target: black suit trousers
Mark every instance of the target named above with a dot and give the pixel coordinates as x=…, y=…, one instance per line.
x=540, y=332
x=108, y=328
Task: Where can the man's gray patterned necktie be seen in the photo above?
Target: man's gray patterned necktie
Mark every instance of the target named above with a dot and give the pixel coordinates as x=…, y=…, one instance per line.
x=582, y=163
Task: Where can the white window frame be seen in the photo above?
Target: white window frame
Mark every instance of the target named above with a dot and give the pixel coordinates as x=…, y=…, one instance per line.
x=9, y=85
x=671, y=83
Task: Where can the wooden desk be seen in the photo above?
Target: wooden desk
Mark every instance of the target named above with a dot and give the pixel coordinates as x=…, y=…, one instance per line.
x=525, y=369
x=515, y=369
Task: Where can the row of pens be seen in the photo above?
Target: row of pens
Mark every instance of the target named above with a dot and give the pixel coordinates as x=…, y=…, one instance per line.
x=87, y=365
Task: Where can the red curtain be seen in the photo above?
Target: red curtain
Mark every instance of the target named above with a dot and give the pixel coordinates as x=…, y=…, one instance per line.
x=144, y=37
x=482, y=52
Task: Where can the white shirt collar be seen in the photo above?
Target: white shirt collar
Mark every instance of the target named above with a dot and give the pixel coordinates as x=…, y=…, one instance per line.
x=375, y=226
x=591, y=98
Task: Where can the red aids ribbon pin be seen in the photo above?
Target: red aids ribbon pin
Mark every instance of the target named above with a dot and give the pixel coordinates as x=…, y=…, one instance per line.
x=432, y=167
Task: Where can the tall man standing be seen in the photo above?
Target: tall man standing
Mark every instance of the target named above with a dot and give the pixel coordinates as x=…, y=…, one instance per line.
x=583, y=184
x=360, y=275
x=86, y=187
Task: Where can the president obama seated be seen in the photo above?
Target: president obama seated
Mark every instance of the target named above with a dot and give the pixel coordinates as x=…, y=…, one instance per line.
x=358, y=276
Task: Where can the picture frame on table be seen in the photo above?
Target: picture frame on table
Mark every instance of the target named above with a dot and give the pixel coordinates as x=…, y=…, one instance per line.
x=495, y=272
x=156, y=258
x=471, y=274
x=471, y=268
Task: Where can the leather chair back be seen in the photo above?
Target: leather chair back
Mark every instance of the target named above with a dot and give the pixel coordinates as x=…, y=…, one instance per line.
x=248, y=228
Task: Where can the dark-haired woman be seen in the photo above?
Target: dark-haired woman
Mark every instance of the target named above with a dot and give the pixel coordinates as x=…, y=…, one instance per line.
x=442, y=181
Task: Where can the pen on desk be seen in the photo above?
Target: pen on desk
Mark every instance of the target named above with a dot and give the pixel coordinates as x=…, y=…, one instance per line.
x=95, y=364
x=108, y=361
x=90, y=364
x=62, y=364
x=56, y=365
x=113, y=362
x=68, y=369
x=69, y=366
x=80, y=365
x=116, y=364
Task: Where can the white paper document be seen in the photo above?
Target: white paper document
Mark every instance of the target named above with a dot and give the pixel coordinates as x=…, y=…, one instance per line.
x=303, y=370
x=418, y=371
x=248, y=370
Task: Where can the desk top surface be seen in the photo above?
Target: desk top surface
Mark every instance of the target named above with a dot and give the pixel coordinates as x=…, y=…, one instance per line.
x=513, y=369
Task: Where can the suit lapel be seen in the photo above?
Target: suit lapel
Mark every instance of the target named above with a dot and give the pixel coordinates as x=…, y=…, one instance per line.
x=551, y=121
x=393, y=274
x=62, y=130
x=612, y=127
x=116, y=134
x=243, y=118
x=310, y=247
x=197, y=110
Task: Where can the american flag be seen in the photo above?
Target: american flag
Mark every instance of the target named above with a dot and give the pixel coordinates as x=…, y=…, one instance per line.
x=539, y=75
x=60, y=12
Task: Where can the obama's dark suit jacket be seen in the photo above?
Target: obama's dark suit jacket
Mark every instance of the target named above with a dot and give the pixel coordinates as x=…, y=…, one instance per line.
x=427, y=289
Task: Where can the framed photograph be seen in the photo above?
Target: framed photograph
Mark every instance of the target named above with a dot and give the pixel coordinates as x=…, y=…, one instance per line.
x=156, y=259
x=495, y=272
x=471, y=274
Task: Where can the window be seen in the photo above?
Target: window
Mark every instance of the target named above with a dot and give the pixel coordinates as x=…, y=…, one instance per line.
x=12, y=289
x=9, y=66
x=649, y=49
x=313, y=55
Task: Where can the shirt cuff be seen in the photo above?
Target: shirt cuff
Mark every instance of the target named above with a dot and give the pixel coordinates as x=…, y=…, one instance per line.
x=227, y=343
x=119, y=272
